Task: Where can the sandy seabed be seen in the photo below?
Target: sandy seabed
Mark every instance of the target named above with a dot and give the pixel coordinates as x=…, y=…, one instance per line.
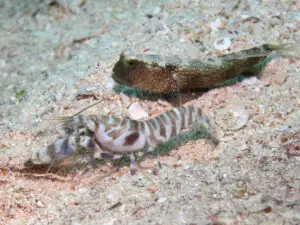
x=57, y=57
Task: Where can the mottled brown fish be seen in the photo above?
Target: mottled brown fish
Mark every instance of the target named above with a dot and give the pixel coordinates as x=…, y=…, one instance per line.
x=164, y=74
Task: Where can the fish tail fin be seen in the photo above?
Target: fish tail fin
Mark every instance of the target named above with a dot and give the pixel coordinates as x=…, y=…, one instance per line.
x=286, y=50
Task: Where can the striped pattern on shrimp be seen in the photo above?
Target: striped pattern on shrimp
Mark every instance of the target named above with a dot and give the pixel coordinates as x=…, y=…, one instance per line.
x=115, y=136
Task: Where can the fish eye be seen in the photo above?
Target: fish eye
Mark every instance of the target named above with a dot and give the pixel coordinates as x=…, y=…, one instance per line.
x=131, y=62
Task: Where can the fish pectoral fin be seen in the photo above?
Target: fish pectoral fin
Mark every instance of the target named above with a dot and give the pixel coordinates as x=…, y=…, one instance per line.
x=177, y=90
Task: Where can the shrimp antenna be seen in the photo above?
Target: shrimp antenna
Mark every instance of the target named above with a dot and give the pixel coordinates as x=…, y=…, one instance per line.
x=66, y=118
x=88, y=107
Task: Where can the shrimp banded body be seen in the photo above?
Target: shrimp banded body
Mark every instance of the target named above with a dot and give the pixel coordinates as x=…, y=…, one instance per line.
x=115, y=136
x=165, y=74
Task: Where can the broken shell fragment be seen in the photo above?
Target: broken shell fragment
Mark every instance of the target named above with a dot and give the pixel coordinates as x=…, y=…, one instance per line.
x=222, y=44
x=136, y=112
x=232, y=118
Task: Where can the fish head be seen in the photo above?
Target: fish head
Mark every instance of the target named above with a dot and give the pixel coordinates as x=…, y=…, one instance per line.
x=124, y=70
x=142, y=72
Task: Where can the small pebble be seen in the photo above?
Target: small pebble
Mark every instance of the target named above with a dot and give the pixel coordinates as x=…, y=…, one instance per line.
x=3, y=160
x=257, y=29
x=297, y=215
x=274, y=21
x=215, y=25
x=297, y=36
x=156, y=10
x=250, y=81
x=123, y=208
x=105, y=110
x=75, y=4
x=2, y=63
x=39, y=204
x=297, y=17
x=222, y=44
x=15, y=221
x=86, y=90
x=115, y=44
x=287, y=214
x=28, y=142
x=91, y=42
x=19, y=187
x=161, y=200
x=58, y=96
x=248, y=17
x=82, y=191
x=111, y=222
x=225, y=220
x=109, y=84
x=292, y=26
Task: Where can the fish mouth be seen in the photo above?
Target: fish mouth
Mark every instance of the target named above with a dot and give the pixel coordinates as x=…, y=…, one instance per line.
x=119, y=80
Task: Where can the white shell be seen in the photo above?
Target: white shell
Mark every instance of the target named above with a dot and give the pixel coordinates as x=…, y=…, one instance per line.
x=232, y=118
x=222, y=44
x=136, y=112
